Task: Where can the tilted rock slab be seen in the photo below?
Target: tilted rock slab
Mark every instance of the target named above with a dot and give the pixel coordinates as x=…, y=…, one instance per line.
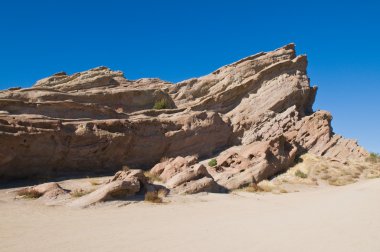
x=122, y=185
x=98, y=121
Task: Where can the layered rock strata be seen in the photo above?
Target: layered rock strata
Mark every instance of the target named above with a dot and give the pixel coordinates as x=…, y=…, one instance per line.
x=254, y=116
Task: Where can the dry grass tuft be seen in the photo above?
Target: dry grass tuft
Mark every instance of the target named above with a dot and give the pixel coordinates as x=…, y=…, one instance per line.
x=153, y=197
x=161, y=104
x=80, y=192
x=152, y=177
x=29, y=193
x=373, y=158
x=265, y=186
x=300, y=174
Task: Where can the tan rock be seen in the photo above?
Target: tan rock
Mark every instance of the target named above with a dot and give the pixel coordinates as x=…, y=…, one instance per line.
x=241, y=166
x=49, y=191
x=119, y=189
x=98, y=121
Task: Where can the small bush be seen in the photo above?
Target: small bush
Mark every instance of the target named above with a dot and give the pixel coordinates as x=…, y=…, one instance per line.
x=161, y=104
x=152, y=177
x=29, y=193
x=300, y=174
x=212, y=162
x=153, y=197
x=373, y=157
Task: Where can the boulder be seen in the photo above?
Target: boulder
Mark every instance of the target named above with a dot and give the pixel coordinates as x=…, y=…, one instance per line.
x=242, y=166
x=119, y=189
x=48, y=191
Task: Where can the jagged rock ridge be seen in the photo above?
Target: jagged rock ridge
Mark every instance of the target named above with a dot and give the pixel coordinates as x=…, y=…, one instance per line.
x=257, y=113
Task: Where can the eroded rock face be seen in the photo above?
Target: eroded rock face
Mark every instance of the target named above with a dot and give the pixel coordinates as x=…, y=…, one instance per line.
x=98, y=121
x=245, y=165
x=124, y=184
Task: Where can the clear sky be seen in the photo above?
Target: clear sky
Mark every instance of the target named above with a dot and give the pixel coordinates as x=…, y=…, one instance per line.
x=175, y=40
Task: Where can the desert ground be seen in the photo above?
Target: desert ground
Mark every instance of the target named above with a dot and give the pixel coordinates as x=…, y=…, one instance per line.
x=344, y=218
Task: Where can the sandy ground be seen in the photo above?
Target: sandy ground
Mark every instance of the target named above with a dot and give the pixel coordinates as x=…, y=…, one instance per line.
x=325, y=219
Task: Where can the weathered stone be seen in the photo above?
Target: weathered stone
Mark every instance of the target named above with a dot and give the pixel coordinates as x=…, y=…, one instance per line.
x=246, y=165
x=119, y=189
x=98, y=121
x=50, y=190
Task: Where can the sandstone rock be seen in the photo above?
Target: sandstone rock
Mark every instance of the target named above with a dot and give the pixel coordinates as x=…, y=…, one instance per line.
x=169, y=168
x=98, y=121
x=119, y=189
x=182, y=175
x=205, y=184
x=241, y=166
x=124, y=184
x=50, y=190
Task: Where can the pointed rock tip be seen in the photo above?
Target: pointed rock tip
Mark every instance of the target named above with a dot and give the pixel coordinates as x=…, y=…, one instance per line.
x=290, y=46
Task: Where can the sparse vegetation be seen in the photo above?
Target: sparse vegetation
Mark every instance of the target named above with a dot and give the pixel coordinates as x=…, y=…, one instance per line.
x=373, y=157
x=251, y=188
x=265, y=186
x=152, y=177
x=212, y=162
x=29, y=193
x=154, y=197
x=340, y=181
x=161, y=104
x=80, y=192
x=300, y=174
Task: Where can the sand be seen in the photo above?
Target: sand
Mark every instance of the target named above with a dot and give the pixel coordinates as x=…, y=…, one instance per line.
x=343, y=218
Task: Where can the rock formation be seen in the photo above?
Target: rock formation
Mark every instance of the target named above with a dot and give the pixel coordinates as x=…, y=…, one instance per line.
x=254, y=116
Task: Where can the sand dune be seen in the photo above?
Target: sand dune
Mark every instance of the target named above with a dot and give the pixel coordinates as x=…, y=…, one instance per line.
x=325, y=219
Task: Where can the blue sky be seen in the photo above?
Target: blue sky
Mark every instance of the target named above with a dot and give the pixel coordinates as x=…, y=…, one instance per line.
x=176, y=40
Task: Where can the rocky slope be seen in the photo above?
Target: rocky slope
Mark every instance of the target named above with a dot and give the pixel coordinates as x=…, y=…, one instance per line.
x=254, y=116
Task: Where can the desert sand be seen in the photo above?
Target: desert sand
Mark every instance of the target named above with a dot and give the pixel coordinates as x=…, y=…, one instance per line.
x=327, y=218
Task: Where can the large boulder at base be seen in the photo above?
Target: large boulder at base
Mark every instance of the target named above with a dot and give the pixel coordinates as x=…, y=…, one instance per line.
x=121, y=186
x=182, y=175
x=246, y=165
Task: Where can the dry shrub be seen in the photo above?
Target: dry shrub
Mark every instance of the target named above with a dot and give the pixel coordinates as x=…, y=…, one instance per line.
x=300, y=174
x=373, y=158
x=162, y=193
x=251, y=188
x=152, y=177
x=29, y=193
x=153, y=196
x=340, y=181
x=265, y=186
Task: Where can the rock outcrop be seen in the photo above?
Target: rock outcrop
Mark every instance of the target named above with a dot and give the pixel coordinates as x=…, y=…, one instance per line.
x=254, y=116
x=124, y=184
